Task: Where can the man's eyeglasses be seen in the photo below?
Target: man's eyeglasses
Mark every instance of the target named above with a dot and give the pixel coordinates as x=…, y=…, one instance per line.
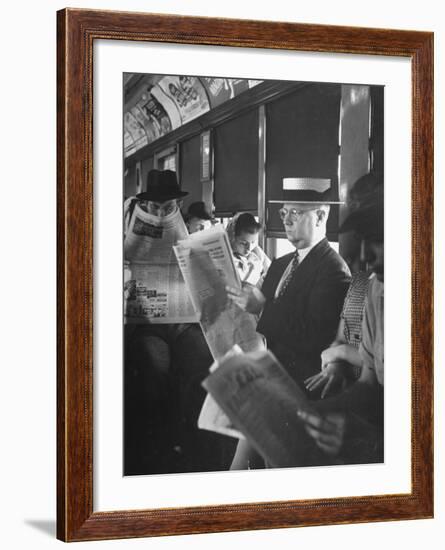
x=293, y=213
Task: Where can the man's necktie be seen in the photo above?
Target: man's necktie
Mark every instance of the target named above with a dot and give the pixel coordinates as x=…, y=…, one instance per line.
x=290, y=273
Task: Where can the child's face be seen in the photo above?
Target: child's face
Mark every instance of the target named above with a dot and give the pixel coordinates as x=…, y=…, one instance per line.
x=244, y=243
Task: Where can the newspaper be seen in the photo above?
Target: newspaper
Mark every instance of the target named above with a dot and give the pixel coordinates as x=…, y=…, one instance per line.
x=206, y=263
x=212, y=417
x=262, y=402
x=154, y=289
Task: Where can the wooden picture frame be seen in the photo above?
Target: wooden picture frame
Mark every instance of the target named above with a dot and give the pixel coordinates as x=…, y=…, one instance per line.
x=77, y=31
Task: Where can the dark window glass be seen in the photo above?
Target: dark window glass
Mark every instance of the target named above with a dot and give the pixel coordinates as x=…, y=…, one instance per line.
x=236, y=164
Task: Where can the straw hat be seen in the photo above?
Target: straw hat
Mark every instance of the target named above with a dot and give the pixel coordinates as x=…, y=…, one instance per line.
x=308, y=191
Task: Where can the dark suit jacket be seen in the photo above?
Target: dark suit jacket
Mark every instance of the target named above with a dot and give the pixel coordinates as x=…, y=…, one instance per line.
x=303, y=322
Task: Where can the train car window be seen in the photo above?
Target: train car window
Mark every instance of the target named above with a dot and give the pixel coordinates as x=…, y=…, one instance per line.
x=138, y=178
x=130, y=181
x=147, y=164
x=166, y=159
x=282, y=247
x=170, y=163
x=376, y=130
x=189, y=170
x=236, y=164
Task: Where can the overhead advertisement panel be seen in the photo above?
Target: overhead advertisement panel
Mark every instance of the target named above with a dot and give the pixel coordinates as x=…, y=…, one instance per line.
x=129, y=146
x=218, y=90
x=155, y=113
x=238, y=85
x=253, y=83
x=186, y=93
x=158, y=108
x=136, y=131
x=148, y=124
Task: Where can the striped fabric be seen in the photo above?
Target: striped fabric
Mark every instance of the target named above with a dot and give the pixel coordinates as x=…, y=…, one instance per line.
x=353, y=311
x=353, y=308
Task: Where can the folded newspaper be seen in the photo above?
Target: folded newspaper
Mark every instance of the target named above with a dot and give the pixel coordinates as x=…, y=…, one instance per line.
x=154, y=289
x=206, y=262
x=262, y=401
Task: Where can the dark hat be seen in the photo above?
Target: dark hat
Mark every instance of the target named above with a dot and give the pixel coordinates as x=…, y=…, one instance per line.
x=197, y=210
x=368, y=219
x=309, y=191
x=363, y=189
x=161, y=186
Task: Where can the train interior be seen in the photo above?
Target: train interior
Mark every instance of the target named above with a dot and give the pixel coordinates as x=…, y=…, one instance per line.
x=231, y=142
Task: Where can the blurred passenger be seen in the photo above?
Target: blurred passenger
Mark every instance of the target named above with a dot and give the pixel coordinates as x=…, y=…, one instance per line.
x=340, y=363
x=197, y=217
x=352, y=251
x=250, y=260
x=350, y=425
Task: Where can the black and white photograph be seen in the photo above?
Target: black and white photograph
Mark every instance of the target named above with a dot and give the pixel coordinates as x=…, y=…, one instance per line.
x=253, y=276
x=213, y=190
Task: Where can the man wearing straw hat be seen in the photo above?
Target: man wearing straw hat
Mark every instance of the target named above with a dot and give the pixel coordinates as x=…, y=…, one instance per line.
x=302, y=295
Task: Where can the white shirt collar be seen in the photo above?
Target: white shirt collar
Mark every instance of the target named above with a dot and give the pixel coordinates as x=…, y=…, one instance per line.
x=303, y=252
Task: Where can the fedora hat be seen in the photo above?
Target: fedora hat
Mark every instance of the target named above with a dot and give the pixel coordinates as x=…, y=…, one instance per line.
x=308, y=191
x=162, y=186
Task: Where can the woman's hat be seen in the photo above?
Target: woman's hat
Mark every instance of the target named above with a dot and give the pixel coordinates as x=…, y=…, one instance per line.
x=308, y=191
x=162, y=186
x=198, y=210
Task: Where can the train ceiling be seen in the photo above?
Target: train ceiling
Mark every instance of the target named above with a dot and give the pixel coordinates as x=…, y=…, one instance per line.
x=157, y=104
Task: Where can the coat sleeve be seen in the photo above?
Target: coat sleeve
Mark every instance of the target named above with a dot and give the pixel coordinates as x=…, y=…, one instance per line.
x=325, y=301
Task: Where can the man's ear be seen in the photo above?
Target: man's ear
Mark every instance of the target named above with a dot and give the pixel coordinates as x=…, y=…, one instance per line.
x=321, y=215
x=179, y=203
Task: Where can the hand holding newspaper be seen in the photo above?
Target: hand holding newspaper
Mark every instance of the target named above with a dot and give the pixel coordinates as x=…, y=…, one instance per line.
x=262, y=402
